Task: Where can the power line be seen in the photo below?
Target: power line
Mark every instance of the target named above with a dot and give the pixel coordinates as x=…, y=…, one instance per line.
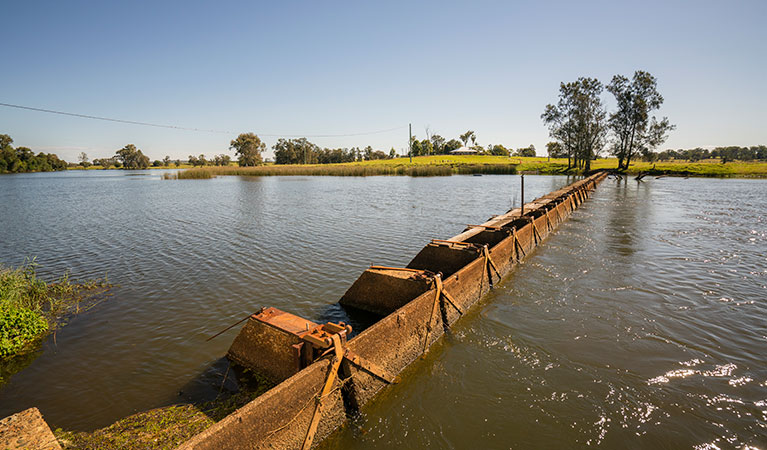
x=174, y=127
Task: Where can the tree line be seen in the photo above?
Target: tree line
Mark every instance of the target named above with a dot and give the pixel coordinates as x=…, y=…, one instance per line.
x=725, y=154
x=582, y=126
x=23, y=159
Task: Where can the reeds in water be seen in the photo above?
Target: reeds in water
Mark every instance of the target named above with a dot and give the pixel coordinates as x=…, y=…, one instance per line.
x=345, y=170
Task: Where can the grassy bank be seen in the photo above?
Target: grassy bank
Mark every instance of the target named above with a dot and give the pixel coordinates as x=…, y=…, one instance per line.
x=442, y=165
x=30, y=308
x=163, y=428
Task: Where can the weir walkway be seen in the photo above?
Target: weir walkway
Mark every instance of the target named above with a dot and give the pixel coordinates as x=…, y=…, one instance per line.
x=323, y=373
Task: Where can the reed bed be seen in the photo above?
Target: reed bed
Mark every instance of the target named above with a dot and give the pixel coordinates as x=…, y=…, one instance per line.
x=347, y=170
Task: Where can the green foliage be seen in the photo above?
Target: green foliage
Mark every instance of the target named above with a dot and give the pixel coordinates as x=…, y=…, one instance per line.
x=29, y=306
x=19, y=327
x=499, y=150
x=22, y=159
x=526, y=152
x=132, y=158
x=248, y=148
x=634, y=131
x=578, y=120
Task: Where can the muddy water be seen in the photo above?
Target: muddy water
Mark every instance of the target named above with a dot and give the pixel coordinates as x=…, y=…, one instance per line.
x=194, y=256
x=641, y=322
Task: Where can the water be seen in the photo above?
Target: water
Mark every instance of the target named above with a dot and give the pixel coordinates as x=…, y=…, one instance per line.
x=639, y=323
x=194, y=256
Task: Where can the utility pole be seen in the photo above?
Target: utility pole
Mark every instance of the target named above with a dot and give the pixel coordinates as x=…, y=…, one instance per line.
x=522, y=208
x=410, y=143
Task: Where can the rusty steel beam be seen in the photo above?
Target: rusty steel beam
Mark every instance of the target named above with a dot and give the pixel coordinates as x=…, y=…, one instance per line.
x=281, y=417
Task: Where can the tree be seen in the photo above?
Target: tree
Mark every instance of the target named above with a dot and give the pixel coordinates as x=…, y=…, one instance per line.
x=499, y=150
x=634, y=131
x=132, y=158
x=452, y=144
x=156, y=163
x=83, y=158
x=193, y=160
x=392, y=153
x=296, y=151
x=105, y=163
x=465, y=137
x=554, y=150
x=177, y=163
x=527, y=152
x=578, y=121
x=201, y=160
x=438, y=144
x=248, y=147
x=166, y=161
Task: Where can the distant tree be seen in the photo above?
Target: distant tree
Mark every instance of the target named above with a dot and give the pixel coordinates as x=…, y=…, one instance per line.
x=201, y=160
x=177, y=163
x=166, y=161
x=156, y=163
x=578, y=121
x=297, y=151
x=527, y=152
x=105, y=163
x=415, y=147
x=634, y=131
x=392, y=153
x=499, y=150
x=465, y=137
x=193, y=161
x=132, y=158
x=83, y=158
x=438, y=144
x=554, y=150
x=248, y=147
x=452, y=144
x=426, y=147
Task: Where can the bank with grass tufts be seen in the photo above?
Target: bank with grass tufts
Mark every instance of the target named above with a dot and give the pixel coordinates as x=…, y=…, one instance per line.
x=443, y=165
x=30, y=307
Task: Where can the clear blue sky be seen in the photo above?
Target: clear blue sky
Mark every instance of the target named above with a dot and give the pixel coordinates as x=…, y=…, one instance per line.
x=326, y=67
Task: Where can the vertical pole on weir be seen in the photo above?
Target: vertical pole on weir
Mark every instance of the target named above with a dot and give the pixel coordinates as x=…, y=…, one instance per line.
x=522, y=208
x=410, y=143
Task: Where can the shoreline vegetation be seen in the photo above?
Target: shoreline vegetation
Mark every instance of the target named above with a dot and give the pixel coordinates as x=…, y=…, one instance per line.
x=31, y=308
x=165, y=427
x=445, y=165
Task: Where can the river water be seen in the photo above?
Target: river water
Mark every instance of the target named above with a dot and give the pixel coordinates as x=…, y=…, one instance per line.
x=641, y=322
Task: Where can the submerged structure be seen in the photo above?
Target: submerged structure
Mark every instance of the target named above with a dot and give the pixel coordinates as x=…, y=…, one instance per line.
x=323, y=373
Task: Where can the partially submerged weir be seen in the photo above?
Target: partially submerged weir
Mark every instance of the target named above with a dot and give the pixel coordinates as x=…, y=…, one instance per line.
x=323, y=373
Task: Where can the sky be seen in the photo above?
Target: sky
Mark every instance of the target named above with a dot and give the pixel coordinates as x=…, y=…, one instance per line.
x=294, y=68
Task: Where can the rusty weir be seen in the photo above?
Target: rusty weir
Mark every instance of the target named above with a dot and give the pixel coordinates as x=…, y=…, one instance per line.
x=323, y=374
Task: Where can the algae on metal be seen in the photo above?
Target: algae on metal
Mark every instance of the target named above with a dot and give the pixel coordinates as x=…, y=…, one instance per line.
x=162, y=428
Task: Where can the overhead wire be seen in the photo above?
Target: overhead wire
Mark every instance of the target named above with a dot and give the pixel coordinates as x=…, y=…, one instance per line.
x=175, y=127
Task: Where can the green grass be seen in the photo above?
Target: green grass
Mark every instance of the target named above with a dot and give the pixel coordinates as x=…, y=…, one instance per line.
x=441, y=165
x=30, y=307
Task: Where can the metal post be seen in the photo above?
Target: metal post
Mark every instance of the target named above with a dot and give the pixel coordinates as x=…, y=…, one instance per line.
x=522, y=209
x=410, y=143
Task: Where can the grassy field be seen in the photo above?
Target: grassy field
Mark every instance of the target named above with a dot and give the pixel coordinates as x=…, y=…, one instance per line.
x=469, y=164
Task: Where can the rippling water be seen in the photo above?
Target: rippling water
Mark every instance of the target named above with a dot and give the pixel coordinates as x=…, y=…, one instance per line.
x=641, y=322
x=194, y=256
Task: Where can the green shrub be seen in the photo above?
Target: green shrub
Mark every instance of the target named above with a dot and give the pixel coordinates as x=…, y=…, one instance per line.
x=19, y=327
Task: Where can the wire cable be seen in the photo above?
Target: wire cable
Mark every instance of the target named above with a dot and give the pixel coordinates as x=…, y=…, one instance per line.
x=174, y=127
